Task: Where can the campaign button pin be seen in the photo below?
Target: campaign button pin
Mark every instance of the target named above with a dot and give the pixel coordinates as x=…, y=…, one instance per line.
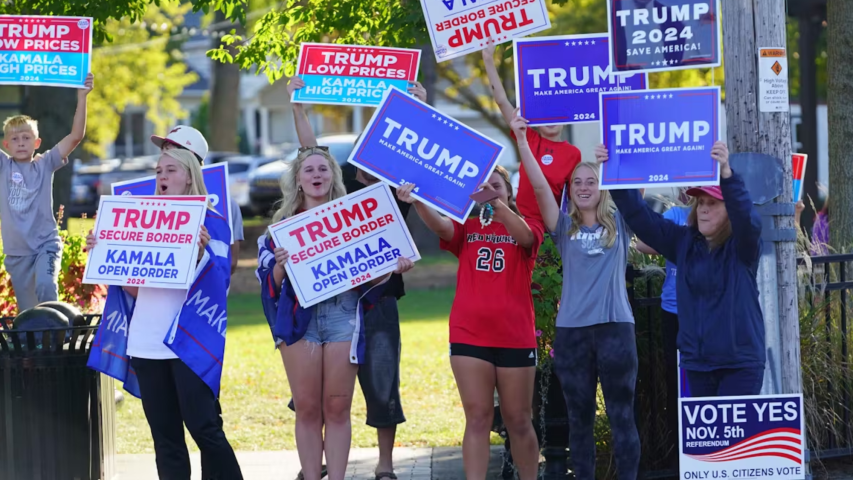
x=17, y=177
x=547, y=160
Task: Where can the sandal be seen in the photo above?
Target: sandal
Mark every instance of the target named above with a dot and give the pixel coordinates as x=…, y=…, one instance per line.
x=389, y=475
x=323, y=474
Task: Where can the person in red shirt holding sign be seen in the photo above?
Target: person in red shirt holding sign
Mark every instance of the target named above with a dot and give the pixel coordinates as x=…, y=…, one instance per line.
x=492, y=330
x=557, y=158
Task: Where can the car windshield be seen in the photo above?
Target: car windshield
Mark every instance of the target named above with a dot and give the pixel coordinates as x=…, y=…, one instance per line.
x=235, y=167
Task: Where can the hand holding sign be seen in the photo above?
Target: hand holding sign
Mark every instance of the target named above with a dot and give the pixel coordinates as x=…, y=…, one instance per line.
x=203, y=240
x=418, y=91
x=88, y=86
x=295, y=84
x=519, y=125
x=720, y=153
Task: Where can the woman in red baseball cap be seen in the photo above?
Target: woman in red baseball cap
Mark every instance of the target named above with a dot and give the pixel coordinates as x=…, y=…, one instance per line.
x=721, y=328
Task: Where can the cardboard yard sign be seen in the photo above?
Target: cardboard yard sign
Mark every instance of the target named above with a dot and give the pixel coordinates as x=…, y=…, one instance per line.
x=757, y=437
x=558, y=79
x=659, y=36
x=41, y=50
x=342, y=244
x=408, y=141
x=215, y=180
x=146, y=241
x=799, y=162
x=353, y=74
x=459, y=27
x=660, y=138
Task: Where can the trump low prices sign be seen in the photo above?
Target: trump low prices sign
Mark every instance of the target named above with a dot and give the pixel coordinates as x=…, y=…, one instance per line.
x=39, y=50
x=408, y=141
x=353, y=74
x=660, y=138
x=344, y=243
x=559, y=78
x=459, y=27
x=146, y=241
x=757, y=437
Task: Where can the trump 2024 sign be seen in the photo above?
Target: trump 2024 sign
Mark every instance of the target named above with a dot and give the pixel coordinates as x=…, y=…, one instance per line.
x=559, y=78
x=353, y=74
x=344, y=243
x=757, y=437
x=408, y=141
x=660, y=138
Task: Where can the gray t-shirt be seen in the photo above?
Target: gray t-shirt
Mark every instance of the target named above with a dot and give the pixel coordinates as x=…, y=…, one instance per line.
x=594, y=288
x=26, y=204
x=236, y=222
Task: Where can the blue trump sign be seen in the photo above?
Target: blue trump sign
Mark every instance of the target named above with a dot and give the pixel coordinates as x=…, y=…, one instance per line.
x=660, y=138
x=215, y=180
x=664, y=35
x=558, y=79
x=408, y=141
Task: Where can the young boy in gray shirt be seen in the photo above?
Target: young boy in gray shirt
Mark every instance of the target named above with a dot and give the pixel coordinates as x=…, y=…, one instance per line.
x=30, y=236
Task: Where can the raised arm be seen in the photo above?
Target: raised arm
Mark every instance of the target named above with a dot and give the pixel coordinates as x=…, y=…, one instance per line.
x=497, y=87
x=515, y=225
x=303, y=127
x=746, y=223
x=442, y=226
x=78, y=127
x=548, y=207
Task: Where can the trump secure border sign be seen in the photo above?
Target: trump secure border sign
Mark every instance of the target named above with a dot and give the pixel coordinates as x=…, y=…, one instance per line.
x=353, y=74
x=408, y=141
x=344, y=243
x=42, y=50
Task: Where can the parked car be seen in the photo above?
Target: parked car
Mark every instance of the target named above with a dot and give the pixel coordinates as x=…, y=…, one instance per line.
x=240, y=167
x=129, y=169
x=264, y=186
x=85, y=186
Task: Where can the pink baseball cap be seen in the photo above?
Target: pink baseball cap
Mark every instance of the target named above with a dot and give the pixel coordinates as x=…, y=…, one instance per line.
x=713, y=191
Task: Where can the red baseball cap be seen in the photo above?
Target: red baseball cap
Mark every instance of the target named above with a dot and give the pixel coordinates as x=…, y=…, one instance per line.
x=713, y=191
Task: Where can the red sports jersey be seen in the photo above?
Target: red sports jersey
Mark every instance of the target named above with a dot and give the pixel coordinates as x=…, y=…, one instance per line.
x=493, y=306
x=557, y=161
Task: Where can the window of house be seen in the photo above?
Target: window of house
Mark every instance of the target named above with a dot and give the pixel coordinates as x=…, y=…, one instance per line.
x=130, y=141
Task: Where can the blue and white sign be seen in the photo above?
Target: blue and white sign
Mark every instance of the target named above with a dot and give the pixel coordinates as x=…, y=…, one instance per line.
x=408, y=141
x=215, y=180
x=660, y=138
x=664, y=35
x=756, y=437
x=558, y=79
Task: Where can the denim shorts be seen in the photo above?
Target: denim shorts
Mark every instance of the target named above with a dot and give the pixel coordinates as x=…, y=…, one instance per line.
x=333, y=320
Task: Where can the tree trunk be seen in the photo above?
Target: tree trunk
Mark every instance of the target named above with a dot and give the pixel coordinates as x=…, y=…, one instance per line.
x=224, y=100
x=840, y=116
x=54, y=108
x=749, y=25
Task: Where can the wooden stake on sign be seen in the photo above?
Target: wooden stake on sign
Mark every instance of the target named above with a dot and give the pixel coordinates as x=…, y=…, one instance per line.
x=747, y=26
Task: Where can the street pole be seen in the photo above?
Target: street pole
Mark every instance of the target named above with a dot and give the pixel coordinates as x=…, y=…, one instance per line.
x=747, y=26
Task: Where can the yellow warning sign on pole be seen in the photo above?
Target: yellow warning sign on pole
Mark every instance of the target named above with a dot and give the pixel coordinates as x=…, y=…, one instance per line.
x=773, y=80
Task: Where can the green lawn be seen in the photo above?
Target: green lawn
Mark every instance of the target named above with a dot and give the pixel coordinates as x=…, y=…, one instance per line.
x=255, y=391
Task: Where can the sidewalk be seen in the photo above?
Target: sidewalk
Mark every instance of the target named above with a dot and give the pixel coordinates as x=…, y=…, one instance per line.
x=443, y=463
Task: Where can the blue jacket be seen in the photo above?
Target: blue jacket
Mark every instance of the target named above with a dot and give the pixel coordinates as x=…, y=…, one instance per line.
x=719, y=317
x=288, y=320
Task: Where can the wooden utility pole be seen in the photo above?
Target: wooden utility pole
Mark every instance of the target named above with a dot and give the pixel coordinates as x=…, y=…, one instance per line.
x=747, y=26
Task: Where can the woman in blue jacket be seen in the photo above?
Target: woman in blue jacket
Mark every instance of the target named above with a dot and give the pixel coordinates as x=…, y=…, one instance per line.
x=721, y=328
x=321, y=346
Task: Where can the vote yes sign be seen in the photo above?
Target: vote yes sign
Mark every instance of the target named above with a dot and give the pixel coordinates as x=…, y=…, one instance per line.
x=558, y=79
x=344, y=243
x=215, y=181
x=657, y=36
x=146, y=241
x=459, y=27
x=41, y=50
x=658, y=138
x=353, y=74
x=408, y=141
x=758, y=437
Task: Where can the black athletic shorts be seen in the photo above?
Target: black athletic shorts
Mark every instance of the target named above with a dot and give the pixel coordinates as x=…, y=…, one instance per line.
x=499, y=357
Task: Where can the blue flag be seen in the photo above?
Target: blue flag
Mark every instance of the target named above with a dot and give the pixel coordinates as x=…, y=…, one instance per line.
x=197, y=335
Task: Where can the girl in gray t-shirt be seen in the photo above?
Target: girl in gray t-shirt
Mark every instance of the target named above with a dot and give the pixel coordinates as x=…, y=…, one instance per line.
x=595, y=327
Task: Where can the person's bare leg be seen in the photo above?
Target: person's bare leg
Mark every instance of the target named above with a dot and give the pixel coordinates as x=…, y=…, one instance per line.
x=303, y=363
x=475, y=380
x=386, y=437
x=515, y=389
x=338, y=385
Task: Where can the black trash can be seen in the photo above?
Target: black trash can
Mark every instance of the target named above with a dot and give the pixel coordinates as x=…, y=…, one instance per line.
x=57, y=417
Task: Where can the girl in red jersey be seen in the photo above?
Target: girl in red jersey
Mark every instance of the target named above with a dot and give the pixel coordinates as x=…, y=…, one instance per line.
x=492, y=339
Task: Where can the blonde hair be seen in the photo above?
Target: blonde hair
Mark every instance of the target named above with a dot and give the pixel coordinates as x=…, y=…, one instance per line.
x=720, y=237
x=292, y=195
x=605, y=213
x=20, y=122
x=189, y=161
